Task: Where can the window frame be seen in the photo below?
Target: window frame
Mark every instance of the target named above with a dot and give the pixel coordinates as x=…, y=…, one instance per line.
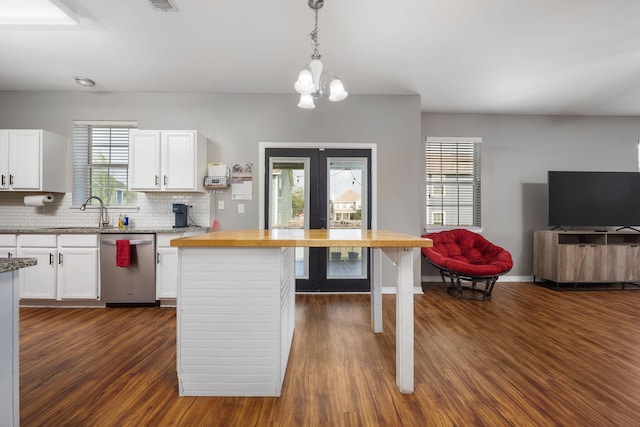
x=442, y=173
x=84, y=167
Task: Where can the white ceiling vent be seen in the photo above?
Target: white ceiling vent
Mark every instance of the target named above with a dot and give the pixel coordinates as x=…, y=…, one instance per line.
x=163, y=5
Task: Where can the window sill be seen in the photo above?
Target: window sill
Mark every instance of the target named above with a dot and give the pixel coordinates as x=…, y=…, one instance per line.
x=435, y=229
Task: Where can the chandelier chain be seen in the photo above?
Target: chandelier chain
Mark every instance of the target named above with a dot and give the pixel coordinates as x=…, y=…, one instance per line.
x=314, y=38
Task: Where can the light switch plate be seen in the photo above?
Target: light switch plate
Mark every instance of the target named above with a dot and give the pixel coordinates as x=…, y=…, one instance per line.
x=220, y=204
x=240, y=207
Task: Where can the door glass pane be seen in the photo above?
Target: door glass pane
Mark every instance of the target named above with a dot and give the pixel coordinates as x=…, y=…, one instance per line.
x=347, y=189
x=289, y=201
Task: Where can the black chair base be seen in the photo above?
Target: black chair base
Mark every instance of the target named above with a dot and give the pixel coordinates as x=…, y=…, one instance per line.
x=472, y=291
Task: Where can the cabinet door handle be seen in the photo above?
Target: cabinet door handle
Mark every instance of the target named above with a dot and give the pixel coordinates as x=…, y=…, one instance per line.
x=10, y=179
x=60, y=259
x=4, y=180
x=156, y=179
x=50, y=259
x=165, y=180
x=8, y=254
x=157, y=257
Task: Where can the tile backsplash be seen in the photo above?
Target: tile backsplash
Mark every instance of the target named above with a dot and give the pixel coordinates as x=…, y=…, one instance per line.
x=153, y=210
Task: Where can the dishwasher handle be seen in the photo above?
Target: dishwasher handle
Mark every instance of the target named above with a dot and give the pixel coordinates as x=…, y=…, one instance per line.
x=131, y=242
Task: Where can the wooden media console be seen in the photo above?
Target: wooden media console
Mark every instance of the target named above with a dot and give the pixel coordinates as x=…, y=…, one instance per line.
x=577, y=257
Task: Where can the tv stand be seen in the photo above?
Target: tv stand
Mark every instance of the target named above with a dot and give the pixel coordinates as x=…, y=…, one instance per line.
x=572, y=257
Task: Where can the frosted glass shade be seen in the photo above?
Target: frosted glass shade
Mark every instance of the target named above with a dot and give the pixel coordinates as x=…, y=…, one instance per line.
x=306, y=102
x=336, y=91
x=304, y=84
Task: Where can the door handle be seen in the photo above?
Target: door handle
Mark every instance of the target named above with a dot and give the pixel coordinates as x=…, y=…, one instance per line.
x=4, y=180
x=157, y=257
x=10, y=179
x=165, y=180
x=60, y=257
x=50, y=259
x=131, y=242
x=156, y=179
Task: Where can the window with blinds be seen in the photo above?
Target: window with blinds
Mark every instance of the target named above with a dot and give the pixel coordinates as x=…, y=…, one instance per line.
x=101, y=162
x=453, y=181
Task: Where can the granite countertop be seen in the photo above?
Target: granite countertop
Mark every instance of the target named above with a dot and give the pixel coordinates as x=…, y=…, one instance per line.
x=96, y=230
x=10, y=264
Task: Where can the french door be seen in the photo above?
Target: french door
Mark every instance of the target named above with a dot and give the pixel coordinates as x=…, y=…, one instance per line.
x=322, y=189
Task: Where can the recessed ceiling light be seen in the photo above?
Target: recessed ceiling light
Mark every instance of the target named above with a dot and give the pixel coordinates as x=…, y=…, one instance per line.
x=36, y=12
x=83, y=81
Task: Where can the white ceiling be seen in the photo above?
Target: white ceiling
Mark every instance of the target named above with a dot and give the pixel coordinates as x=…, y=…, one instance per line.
x=495, y=56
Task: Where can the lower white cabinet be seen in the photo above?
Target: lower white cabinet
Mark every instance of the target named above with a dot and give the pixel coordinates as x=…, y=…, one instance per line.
x=78, y=267
x=68, y=266
x=7, y=245
x=39, y=281
x=166, y=273
x=167, y=265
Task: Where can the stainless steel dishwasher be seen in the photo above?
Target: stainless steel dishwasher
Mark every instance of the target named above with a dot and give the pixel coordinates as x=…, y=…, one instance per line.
x=135, y=284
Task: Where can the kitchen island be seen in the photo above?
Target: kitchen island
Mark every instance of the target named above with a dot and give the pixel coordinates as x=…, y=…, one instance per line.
x=9, y=339
x=236, y=301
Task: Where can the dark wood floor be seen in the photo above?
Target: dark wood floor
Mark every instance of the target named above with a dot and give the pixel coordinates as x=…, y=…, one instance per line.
x=529, y=357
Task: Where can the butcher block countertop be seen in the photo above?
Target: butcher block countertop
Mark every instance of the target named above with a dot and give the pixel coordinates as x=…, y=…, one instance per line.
x=303, y=238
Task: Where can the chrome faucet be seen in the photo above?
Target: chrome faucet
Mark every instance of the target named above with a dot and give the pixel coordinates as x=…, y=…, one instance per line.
x=104, y=217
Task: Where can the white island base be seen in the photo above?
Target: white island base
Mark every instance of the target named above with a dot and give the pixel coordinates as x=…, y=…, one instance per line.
x=236, y=305
x=236, y=316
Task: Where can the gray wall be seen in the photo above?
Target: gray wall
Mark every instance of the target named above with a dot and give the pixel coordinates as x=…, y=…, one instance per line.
x=517, y=151
x=234, y=124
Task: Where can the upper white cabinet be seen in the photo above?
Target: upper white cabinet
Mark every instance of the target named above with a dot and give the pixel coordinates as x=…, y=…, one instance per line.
x=32, y=160
x=161, y=160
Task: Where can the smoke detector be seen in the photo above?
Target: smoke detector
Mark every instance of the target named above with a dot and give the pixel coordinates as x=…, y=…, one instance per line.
x=163, y=5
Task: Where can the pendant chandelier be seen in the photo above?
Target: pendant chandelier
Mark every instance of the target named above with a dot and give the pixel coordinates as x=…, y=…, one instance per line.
x=311, y=81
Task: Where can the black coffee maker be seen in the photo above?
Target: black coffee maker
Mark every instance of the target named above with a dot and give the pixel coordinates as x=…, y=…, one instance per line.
x=182, y=215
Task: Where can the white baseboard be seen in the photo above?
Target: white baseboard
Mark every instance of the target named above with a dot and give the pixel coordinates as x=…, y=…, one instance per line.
x=391, y=290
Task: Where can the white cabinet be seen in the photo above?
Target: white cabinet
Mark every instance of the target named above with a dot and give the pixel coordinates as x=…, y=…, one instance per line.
x=167, y=160
x=32, y=160
x=7, y=245
x=78, y=267
x=144, y=160
x=166, y=267
x=39, y=281
x=167, y=264
x=67, y=268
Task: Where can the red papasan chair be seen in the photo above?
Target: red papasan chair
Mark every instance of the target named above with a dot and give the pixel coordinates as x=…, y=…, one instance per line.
x=462, y=255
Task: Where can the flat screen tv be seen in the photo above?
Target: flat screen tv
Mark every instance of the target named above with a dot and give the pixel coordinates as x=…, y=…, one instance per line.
x=593, y=199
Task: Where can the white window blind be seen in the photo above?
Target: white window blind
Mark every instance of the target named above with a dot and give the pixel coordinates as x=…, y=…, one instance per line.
x=453, y=181
x=101, y=162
